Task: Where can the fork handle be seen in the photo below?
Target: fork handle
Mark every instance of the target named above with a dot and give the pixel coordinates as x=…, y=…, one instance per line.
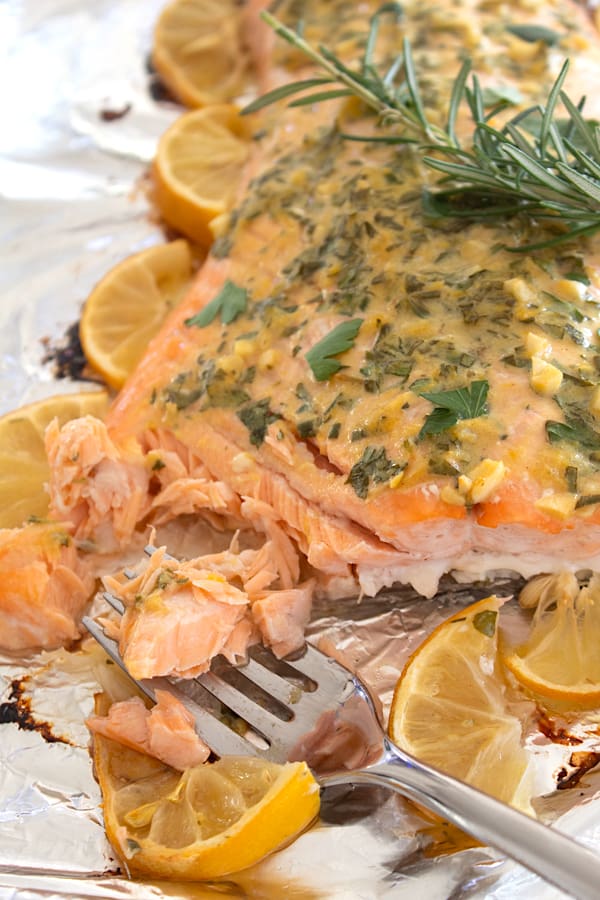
x=551, y=855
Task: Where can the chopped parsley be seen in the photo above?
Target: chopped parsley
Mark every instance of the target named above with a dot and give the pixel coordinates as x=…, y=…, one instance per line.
x=321, y=357
x=451, y=406
x=485, y=622
x=231, y=301
x=257, y=417
x=572, y=430
x=375, y=466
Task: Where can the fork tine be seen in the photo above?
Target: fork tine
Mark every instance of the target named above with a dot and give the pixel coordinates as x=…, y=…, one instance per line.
x=324, y=670
x=274, y=685
x=113, y=601
x=220, y=738
x=259, y=718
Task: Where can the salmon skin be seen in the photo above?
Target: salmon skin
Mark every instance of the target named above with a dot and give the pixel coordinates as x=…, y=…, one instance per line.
x=456, y=431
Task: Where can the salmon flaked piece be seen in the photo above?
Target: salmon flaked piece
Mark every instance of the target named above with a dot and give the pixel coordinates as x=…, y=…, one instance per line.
x=180, y=615
x=166, y=731
x=44, y=587
x=367, y=474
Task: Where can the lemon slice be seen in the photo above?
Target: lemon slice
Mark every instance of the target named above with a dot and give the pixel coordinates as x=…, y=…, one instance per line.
x=560, y=659
x=198, y=167
x=126, y=308
x=198, y=50
x=210, y=821
x=450, y=708
x=23, y=465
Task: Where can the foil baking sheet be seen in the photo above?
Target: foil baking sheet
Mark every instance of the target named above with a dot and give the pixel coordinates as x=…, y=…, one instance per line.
x=79, y=126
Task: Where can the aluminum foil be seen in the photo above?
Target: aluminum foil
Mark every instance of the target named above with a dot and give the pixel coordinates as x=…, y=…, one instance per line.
x=79, y=125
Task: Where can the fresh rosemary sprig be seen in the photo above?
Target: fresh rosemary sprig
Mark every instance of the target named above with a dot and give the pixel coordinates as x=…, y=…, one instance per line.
x=538, y=164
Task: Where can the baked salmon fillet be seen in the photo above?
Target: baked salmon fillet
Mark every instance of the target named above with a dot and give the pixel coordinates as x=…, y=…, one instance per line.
x=455, y=428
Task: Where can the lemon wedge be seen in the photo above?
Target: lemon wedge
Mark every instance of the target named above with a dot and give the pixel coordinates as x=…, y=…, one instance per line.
x=210, y=821
x=197, y=169
x=450, y=708
x=198, y=50
x=560, y=660
x=23, y=464
x=128, y=306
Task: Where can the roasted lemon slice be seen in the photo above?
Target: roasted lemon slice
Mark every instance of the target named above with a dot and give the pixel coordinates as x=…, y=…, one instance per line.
x=126, y=308
x=197, y=169
x=23, y=465
x=210, y=821
x=560, y=659
x=198, y=50
x=450, y=709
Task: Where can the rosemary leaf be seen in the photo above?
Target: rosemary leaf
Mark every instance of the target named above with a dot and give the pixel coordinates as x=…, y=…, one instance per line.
x=280, y=93
x=319, y=97
x=534, y=33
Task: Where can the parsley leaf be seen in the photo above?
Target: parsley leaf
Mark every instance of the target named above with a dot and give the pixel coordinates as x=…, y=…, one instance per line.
x=372, y=466
x=340, y=339
x=572, y=430
x=450, y=406
x=437, y=421
x=230, y=302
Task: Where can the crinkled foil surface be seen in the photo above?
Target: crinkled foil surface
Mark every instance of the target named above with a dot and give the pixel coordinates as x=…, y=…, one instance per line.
x=72, y=206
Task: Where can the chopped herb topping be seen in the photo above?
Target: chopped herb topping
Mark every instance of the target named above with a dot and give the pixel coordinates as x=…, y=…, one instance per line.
x=485, y=622
x=572, y=430
x=571, y=476
x=375, y=466
x=451, y=406
x=587, y=500
x=257, y=417
x=306, y=429
x=321, y=357
x=167, y=577
x=231, y=301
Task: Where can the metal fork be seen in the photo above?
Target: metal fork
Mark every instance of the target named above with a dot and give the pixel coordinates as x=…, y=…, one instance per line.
x=311, y=707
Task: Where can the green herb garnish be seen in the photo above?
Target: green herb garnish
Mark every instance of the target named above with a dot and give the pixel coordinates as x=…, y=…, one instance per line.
x=485, y=622
x=257, y=417
x=572, y=430
x=534, y=33
x=375, y=466
x=553, y=176
x=587, y=500
x=230, y=302
x=451, y=406
x=321, y=357
x=501, y=95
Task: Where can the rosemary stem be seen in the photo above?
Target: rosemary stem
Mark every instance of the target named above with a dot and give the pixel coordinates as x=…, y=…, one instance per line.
x=552, y=174
x=386, y=112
